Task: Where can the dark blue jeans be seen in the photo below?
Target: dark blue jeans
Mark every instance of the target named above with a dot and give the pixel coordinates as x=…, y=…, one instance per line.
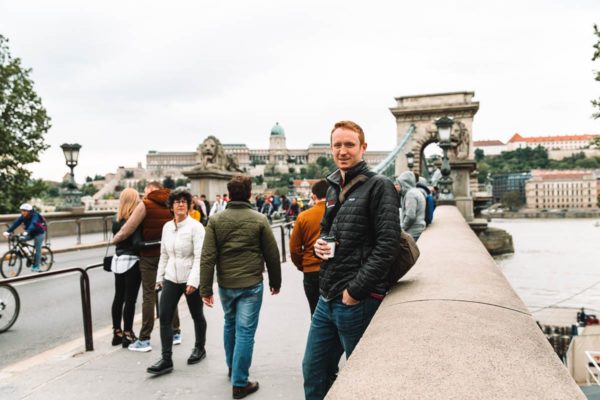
x=241, y=308
x=335, y=329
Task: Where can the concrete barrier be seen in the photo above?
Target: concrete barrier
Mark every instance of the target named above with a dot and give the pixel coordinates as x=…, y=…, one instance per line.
x=453, y=328
x=68, y=223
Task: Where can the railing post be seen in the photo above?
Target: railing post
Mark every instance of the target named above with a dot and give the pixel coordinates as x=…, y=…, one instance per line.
x=282, y=243
x=78, y=223
x=84, y=283
x=105, y=220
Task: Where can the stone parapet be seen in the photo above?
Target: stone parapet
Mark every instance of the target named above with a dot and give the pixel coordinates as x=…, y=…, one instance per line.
x=453, y=328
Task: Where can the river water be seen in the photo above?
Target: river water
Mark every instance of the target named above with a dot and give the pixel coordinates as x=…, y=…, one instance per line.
x=556, y=262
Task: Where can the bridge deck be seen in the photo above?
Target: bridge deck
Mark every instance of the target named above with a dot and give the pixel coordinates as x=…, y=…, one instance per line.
x=112, y=372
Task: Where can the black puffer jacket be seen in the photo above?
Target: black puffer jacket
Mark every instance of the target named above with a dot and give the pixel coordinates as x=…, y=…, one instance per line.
x=363, y=217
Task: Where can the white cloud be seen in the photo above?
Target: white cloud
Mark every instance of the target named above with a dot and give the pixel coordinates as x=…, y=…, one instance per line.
x=125, y=77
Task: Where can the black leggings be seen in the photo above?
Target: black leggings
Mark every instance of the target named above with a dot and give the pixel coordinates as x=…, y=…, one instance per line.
x=127, y=286
x=170, y=295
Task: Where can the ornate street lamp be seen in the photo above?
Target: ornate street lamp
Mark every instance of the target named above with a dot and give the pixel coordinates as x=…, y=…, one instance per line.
x=444, y=127
x=410, y=159
x=72, y=195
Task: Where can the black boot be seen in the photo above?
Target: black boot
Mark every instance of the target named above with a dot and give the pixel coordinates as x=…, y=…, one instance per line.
x=117, y=337
x=161, y=367
x=197, y=355
x=128, y=338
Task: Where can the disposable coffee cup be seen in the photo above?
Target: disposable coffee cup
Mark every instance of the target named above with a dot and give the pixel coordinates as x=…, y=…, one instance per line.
x=331, y=243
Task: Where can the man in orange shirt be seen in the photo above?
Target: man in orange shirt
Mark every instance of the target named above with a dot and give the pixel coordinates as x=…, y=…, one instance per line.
x=305, y=234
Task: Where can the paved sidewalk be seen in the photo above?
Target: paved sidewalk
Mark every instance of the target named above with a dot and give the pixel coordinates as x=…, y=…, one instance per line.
x=68, y=372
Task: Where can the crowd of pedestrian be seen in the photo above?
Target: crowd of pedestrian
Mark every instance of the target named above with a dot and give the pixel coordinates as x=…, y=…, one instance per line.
x=345, y=245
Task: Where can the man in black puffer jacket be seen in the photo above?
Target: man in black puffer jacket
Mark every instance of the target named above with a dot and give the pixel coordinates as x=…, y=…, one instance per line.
x=362, y=217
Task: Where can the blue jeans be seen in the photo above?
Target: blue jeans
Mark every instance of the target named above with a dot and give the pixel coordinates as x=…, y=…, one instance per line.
x=38, y=242
x=241, y=308
x=335, y=328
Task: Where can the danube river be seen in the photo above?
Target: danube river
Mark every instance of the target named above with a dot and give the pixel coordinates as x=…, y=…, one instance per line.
x=556, y=263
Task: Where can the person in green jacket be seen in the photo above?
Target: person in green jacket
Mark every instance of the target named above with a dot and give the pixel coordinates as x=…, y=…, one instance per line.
x=239, y=241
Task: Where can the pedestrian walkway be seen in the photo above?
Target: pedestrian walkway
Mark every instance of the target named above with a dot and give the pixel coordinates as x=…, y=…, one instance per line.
x=68, y=372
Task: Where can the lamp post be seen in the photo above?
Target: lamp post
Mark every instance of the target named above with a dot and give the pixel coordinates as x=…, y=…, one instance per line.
x=72, y=195
x=410, y=159
x=444, y=127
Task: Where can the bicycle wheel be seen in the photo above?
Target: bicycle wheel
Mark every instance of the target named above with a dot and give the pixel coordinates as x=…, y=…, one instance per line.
x=10, y=305
x=47, y=259
x=11, y=264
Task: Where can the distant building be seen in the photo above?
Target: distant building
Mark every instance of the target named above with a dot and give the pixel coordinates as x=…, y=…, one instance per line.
x=277, y=158
x=550, y=189
x=569, y=142
x=489, y=147
x=513, y=182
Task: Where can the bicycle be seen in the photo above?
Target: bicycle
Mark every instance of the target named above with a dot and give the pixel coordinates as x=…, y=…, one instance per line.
x=10, y=305
x=12, y=261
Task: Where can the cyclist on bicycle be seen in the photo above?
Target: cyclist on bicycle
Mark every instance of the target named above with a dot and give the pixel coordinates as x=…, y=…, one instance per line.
x=35, y=229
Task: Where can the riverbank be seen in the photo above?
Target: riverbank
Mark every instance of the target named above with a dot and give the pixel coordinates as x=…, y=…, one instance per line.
x=541, y=214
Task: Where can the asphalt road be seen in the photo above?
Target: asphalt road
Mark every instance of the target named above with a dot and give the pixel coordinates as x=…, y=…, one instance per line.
x=51, y=308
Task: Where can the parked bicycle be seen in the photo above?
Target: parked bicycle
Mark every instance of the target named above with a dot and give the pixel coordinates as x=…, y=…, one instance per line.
x=10, y=305
x=12, y=261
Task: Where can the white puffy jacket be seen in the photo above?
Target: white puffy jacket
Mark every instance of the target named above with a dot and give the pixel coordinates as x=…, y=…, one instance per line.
x=180, y=249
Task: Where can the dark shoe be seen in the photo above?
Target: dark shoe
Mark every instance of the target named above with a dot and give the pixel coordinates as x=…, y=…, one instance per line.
x=241, y=392
x=196, y=356
x=117, y=337
x=161, y=367
x=128, y=338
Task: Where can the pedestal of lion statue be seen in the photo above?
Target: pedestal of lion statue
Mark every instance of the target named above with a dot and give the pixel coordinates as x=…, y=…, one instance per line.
x=210, y=183
x=213, y=169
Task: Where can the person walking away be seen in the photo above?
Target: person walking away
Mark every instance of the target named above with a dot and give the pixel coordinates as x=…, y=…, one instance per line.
x=239, y=241
x=125, y=266
x=179, y=274
x=151, y=214
x=35, y=228
x=304, y=235
x=361, y=217
x=429, y=201
x=412, y=202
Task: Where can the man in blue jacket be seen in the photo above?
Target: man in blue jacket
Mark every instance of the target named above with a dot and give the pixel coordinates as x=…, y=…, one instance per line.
x=35, y=228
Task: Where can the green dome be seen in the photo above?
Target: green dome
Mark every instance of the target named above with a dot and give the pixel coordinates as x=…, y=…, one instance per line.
x=277, y=130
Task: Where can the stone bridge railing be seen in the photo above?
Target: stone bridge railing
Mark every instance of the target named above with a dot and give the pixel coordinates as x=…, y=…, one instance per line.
x=453, y=328
x=68, y=223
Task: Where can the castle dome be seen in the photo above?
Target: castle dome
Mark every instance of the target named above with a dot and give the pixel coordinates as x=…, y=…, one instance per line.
x=277, y=130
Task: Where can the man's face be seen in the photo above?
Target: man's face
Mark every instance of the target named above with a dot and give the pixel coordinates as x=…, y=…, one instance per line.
x=25, y=213
x=346, y=148
x=218, y=197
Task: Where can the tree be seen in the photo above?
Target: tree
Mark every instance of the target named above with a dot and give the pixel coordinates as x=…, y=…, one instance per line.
x=88, y=189
x=512, y=200
x=23, y=124
x=479, y=155
x=596, y=56
x=169, y=183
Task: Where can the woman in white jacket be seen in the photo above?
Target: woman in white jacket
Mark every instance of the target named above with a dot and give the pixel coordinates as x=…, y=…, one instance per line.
x=179, y=273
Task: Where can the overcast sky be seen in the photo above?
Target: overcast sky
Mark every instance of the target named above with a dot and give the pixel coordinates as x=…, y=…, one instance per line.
x=124, y=77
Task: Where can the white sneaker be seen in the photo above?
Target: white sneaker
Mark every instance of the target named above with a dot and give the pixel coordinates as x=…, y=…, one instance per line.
x=140, y=345
x=177, y=338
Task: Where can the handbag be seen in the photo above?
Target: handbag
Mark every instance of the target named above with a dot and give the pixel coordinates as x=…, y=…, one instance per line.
x=408, y=253
x=107, y=260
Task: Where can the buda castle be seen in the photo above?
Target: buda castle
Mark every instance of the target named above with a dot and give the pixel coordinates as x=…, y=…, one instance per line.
x=277, y=158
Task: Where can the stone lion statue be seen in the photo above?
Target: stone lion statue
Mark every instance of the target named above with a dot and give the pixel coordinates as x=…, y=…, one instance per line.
x=212, y=156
